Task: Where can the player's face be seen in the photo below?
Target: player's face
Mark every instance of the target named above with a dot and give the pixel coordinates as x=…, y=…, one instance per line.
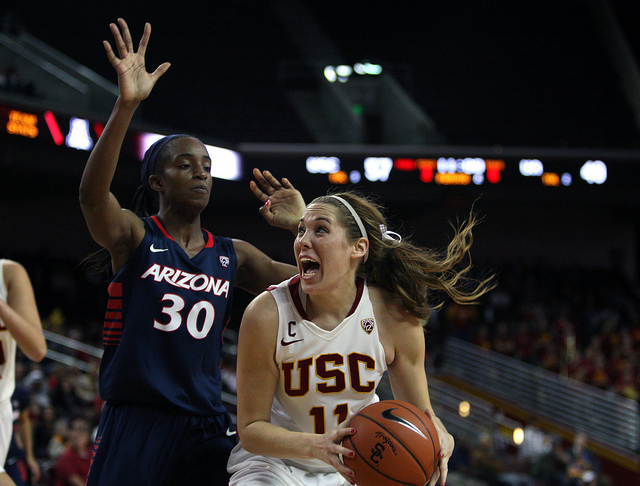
x=186, y=174
x=326, y=259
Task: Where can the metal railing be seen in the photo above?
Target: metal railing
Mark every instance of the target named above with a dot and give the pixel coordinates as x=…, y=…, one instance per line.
x=466, y=424
x=602, y=415
x=63, y=349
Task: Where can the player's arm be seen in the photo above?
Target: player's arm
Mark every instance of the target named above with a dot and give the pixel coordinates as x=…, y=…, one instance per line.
x=283, y=207
x=110, y=226
x=256, y=270
x=26, y=434
x=19, y=313
x=257, y=377
x=403, y=336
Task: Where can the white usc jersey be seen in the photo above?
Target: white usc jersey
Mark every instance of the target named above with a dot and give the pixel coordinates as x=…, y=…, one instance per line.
x=325, y=376
x=7, y=349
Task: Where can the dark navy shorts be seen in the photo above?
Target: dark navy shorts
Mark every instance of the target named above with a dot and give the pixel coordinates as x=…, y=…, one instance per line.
x=137, y=445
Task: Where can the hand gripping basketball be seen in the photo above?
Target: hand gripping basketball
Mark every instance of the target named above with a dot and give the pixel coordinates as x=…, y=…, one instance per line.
x=396, y=443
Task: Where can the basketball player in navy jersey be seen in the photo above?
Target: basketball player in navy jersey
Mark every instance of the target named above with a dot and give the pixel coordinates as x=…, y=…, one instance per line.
x=317, y=345
x=169, y=299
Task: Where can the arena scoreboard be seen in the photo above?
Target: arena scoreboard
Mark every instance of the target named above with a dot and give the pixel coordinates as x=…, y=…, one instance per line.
x=56, y=129
x=383, y=169
x=475, y=170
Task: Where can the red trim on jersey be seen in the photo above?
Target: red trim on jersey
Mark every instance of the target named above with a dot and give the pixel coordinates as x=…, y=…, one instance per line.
x=157, y=221
x=115, y=289
x=112, y=328
x=114, y=304
x=294, y=286
x=210, y=241
x=359, y=291
x=294, y=289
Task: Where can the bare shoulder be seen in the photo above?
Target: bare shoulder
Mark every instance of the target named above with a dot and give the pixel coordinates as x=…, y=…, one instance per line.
x=12, y=266
x=17, y=281
x=401, y=332
x=243, y=249
x=264, y=304
x=261, y=315
x=388, y=308
x=258, y=330
x=13, y=271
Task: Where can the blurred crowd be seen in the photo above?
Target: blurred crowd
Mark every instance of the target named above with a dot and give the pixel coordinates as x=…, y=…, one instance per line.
x=542, y=460
x=582, y=323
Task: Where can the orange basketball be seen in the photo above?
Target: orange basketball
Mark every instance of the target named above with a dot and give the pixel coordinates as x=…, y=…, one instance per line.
x=395, y=444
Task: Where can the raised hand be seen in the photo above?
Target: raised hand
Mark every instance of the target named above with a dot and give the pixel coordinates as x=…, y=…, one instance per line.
x=283, y=204
x=134, y=82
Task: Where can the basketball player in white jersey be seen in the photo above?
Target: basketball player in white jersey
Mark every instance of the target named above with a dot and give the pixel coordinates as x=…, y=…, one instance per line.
x=19, y=326
x=313, y=349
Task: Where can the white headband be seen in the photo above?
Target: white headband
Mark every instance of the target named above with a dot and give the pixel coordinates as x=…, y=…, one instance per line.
x=357, y=218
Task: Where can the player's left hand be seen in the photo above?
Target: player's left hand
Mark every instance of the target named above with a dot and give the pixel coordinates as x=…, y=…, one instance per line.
x=134, y=82
x=328, y=448
x=446, y=450
x=283, y=205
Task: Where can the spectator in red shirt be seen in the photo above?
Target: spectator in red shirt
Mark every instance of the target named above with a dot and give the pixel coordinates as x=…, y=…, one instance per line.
x=73, y=465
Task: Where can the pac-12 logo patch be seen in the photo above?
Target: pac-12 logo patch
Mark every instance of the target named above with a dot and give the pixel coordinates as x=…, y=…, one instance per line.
x=224, y=261
x=367, y=325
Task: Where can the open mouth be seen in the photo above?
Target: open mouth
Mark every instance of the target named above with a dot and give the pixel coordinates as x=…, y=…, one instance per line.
x=309, y=266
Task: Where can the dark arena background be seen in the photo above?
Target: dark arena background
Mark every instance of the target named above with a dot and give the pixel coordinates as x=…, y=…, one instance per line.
x=527, y=112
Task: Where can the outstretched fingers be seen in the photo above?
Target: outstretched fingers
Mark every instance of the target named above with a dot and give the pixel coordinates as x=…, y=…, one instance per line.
x=126, y=35
x=268, y=182
x=257, y=192
x=117, y=39
x=286, y=183
x=123, y=40
x=144, y=41
x=160, y=70
x=267, y=185
x=113, y=59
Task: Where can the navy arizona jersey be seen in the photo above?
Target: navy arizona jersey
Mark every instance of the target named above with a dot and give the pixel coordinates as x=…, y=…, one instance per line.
x=164, y=322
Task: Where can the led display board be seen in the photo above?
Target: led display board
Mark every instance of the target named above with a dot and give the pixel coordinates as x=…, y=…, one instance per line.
x=379, y=168
x=57, y=129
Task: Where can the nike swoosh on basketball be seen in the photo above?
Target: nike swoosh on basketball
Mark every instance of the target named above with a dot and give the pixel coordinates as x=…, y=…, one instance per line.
x=287, y=343
x=388, y=414
x=157, y=250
